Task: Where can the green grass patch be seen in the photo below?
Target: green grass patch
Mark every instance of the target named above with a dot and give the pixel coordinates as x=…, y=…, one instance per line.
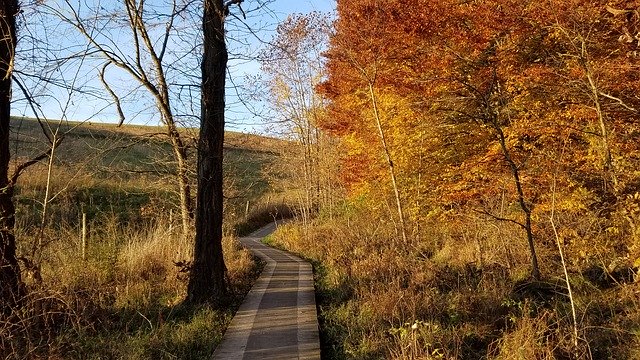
x=169, y=333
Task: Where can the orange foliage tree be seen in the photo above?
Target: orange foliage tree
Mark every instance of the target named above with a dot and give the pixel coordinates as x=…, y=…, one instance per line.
x=466, y=102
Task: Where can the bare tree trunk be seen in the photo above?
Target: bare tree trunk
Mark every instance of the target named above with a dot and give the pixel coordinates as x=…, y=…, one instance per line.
x=564, y=266
x=161, y=94
x=392, y=172
x=186, y=206
x=607, y=159
x=515, y=172
x=492, y=118
x=580, y=45
x=184, y=188
x=10, y=281
x=149, y=72
x=207, y=280
x=37, y=245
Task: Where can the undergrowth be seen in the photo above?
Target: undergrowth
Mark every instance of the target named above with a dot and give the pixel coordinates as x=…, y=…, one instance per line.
x=124, y=301
x=458, y=289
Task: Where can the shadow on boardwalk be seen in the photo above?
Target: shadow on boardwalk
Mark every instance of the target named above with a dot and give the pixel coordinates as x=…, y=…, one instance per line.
x=278, y=318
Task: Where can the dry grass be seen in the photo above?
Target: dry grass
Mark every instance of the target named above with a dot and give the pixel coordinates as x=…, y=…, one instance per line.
x=527, y=340
x=124, y=300
x=458, y=290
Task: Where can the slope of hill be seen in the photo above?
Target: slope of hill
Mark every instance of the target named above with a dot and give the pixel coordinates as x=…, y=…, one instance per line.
x=130, y=159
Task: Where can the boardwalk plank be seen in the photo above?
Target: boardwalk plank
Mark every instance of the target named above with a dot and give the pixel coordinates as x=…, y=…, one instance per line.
x=278, y=319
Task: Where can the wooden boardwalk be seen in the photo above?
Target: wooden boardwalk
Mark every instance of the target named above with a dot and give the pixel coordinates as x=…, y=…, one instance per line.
x=278, y=318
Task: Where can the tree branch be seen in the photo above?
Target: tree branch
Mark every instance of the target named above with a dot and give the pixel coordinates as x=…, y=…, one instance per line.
x=232, y=2
x=22, y=167
x=115, y=97
x=618, y=100
x=31, y=102
x=495, y=217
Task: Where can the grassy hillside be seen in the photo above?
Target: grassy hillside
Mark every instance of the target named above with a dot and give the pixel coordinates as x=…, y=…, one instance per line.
x=123, y=300
x=129, y=159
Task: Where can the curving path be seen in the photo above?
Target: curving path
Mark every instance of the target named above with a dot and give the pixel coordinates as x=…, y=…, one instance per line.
x=278, y=318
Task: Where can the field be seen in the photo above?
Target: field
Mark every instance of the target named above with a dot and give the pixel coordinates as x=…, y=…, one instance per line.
x=121, y=296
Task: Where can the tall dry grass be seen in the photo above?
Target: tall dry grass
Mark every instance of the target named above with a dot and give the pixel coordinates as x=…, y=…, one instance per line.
x=123, y=301
x=459, y=289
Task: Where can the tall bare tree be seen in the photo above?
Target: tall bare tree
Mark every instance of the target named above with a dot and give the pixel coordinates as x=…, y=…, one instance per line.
x=207, y=281
x=9, y=269
x=294, y=66
x=11, y=286
x=146, y=65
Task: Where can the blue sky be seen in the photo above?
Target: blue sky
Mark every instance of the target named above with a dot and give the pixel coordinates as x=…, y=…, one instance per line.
x=237, y=116
x=90, y=103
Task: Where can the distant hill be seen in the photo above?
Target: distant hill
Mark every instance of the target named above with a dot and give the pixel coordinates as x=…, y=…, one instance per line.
x=104, y=164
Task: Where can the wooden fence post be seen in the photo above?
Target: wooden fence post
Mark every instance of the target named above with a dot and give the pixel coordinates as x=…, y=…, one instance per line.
x=84, y=235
